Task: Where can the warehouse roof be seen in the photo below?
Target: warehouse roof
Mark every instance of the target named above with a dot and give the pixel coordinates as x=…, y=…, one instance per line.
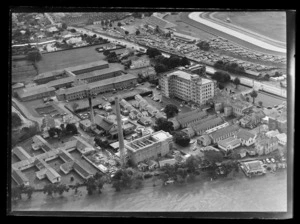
x=96, y=73
x=86, y=66
x=223, y=131
x=31, y=91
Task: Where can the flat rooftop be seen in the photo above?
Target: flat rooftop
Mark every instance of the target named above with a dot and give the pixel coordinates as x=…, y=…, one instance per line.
x=99, y=72
x=88, y=65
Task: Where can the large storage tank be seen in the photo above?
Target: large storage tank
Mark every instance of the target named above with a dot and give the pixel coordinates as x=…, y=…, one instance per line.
x=227, y=111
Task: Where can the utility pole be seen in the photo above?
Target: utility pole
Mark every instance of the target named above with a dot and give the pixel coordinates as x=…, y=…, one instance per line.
x=120, y=133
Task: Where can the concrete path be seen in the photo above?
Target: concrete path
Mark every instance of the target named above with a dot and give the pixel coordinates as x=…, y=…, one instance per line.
x=196, y=16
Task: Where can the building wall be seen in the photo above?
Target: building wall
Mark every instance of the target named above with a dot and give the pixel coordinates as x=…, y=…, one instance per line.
x=102, y=76
x=99, y=67
x=224, y=136
x=38, y=96
x=151, y=152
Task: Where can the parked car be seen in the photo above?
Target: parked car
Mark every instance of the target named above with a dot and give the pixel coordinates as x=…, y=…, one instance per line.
x=273, y=160
x=267, y=160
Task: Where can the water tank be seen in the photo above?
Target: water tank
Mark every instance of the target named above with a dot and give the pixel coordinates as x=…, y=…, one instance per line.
x=218, y=106
x=227, y=111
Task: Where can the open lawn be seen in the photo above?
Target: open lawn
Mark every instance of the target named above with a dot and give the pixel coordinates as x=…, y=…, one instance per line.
x=22, y=71
x=187, y=29
x=273, y=25
x=68, y=58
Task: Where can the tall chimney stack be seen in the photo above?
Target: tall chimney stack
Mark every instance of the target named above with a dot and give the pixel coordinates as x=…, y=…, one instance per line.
x=120, y=132
x=91, y=109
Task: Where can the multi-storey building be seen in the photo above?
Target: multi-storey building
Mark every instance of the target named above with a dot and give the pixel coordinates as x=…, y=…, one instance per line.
x=96, y=87
x=224, y=133
x=150, y=146
x=35, y=92
x=187, y=86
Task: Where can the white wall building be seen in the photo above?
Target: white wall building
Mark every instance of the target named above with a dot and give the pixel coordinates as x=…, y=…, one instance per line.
x=187, y=86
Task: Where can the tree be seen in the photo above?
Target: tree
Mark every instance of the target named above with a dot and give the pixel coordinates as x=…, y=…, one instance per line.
x=71, y=128
x=16, y=193
x=253, y=94
x=247, y=99
x=181, y=138
x=184, y=61
x=192, y=163
x=213, y=156
x=137, y=32
x=171, y=110
x=236, y=82
x=163, y=124
x=49, y=189
x=106, y=52
x=73, y=31
x=119, y=24
x=174, y=61
x=64, y=26
x=160, y=68
x=51, y=132
x=221, y=77
x=260, y=103
x=15, y=120
x=152, y=52
x=203, y=45
x=34, y=56
x=126, y=32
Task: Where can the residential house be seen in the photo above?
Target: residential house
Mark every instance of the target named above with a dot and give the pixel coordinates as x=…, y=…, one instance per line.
x=85, y=124
x=252, y=120
x=108, y=126
x=229, y=144
x=272, y=133
x=282, y=139
x=224, y=133
x=191, y=117
x=204, y=140
x=201, y=126
x=265, y=145
x=145, y=121
x=189, y=131
x=242, y=152
x=167, y=161
x=246, y=137
x=239, y=107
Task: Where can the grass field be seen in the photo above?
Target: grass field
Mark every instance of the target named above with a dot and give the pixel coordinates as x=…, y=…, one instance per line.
x=187, y=29
x=63, y=59
x=270, y=24
x=22, y=71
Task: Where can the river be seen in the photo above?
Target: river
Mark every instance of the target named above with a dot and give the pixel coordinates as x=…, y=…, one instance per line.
x=265, y=194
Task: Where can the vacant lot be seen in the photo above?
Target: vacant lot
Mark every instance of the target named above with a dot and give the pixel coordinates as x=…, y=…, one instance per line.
x=63, y=59
x=273, y=25
x=23, y=71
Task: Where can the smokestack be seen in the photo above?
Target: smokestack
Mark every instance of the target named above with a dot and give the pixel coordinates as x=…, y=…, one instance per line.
x=91, y=109
x=120, y=132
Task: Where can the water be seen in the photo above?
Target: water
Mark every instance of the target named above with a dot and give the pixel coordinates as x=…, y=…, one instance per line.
x=267, y=193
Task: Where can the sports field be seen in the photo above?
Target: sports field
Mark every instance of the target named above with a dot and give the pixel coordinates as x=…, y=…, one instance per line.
x=68, y=58
x=271, y=24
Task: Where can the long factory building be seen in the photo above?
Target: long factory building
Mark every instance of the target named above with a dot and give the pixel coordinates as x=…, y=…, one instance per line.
x=50, y=82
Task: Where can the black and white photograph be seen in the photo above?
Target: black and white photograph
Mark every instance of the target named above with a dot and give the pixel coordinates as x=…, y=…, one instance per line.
x=154, y=111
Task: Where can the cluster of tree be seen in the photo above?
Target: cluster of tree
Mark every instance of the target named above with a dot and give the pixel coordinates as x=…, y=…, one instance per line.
x=69, y=129
x=164, y=64
x=111, y=56
x=18, y=191
x=125, y=179
x=152, y=52
x=181, y=138
x=163, y=124
x=93, y=39
x=15, y=120
x=181, y=172
x=95, y=183
x=230, y=67
x=56, y=188
x=137, y=32
x=203, y=45
x=171, y=110
x=24, y=133
x=34, y=56
x=103, y=143
x=73, y=30
x=139, y=15
x=221, y=77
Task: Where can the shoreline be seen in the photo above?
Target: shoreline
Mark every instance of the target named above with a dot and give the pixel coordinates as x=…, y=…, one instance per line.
x=107, y=200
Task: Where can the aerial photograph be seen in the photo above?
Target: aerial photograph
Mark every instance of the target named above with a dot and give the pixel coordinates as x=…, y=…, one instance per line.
x=166, y=111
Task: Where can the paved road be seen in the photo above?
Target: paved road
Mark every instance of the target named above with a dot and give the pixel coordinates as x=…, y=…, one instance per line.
x=27, y=113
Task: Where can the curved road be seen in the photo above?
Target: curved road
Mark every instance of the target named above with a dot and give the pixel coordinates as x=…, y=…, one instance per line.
x=220, y=32
x=241, y=34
